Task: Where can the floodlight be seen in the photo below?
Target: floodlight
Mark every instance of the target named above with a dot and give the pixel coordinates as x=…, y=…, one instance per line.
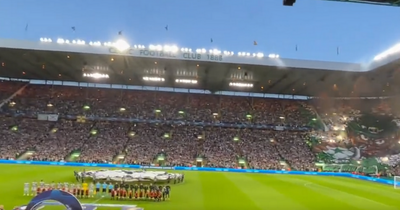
x=175, y=49
x=95, y=43
x=154, y=79
x=96, y=75
x=216, y=52
x=228, y=53
x=80, y=42
x=60, y=41
x=45, y=40
x=186, y=81
x=122, y=45
x=238, y=84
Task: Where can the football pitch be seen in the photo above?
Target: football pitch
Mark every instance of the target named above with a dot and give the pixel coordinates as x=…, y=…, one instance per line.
x=218, y=190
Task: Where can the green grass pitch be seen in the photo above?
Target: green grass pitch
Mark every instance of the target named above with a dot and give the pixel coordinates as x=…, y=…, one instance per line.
x=217, y=190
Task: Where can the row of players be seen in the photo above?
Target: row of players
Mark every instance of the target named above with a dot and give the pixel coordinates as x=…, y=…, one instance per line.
x=115, y=191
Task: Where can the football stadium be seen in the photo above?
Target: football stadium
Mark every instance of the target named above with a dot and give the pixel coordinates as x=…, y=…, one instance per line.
x=118, y=125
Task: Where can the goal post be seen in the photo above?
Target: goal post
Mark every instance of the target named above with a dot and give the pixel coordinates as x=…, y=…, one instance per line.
x=396, y=182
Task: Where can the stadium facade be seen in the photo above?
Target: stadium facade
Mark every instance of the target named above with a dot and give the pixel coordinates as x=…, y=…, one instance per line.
x=251, y=74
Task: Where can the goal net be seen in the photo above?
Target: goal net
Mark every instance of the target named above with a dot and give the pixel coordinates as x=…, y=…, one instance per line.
x=396, y=182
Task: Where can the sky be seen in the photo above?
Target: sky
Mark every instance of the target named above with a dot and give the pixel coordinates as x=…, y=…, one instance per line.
x=317, y=27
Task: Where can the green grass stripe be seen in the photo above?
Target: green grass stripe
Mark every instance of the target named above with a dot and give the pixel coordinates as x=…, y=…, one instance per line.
x=356, y=198
x=310, y=198
x=221, y=193
x=217, y=190
x=376, y=187
x=262, y=194
x=369, y=190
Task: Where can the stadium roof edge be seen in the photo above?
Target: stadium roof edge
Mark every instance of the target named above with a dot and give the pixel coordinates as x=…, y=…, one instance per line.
x=194, y=56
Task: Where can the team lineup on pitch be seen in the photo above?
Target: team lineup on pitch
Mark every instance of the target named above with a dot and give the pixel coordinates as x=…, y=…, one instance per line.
x=119, y=185
x=211, y=190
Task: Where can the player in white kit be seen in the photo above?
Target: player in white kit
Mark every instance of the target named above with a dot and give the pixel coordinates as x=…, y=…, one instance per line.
x=42, y=184
x=66, y=187
x=26, y=189
x=53, y=185
x=47, y=186
x=59, y=186
x=91, y=190
x=34, y=188
x=73, y=190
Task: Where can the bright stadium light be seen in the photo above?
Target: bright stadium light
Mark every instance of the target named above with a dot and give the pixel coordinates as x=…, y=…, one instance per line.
x=45, y=40
x=239, y=84
x=188, y=50
x=122, y=45
x=186, y=81
x=95, y=43
x=139, y=46
x=156, y=47
x=215, y=51
x=108, y=44
x=96, y=75
x=244, y=54
x=168, y=48
x=78, y=42
x=228, y=53
x=154, y=79
x=273, y=56
x=60, y=41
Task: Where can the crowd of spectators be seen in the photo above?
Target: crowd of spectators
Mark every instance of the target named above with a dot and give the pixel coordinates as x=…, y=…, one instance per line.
x=7, y=89
x=156, y=105
x=103, y=142
x=106, y=141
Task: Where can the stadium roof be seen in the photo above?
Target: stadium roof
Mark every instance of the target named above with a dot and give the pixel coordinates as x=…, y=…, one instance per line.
x=214, y=70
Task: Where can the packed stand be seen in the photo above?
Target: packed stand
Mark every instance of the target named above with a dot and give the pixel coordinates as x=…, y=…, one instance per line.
x=101, y=142
x=7, y=89
x=104, y=141
x=20, y=135
x=63, y=137
x=258, y=149
x=141, y=143
x=292, y=147
x=104, y=102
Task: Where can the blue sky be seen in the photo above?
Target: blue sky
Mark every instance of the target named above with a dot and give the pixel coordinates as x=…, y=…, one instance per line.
x=317, y=27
